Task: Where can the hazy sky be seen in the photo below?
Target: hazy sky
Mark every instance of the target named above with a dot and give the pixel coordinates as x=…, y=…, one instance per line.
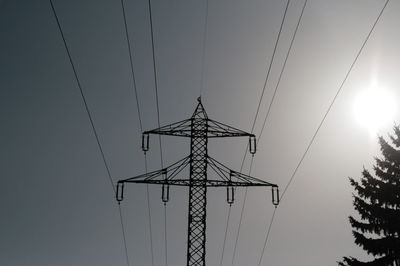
x=57, y=206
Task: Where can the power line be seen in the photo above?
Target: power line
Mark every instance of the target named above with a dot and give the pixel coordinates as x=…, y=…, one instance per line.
x=123, y=233
x=267, y=237
x=226, y=233
x=241, y=214
x=158, y=121
x=140, y=124
x=165, y=234
x=131, y=64
x=267, y=115
x=240, y=223
x=266, y=79
x=204, y=49
x=270, y=65
x=155, y=79
x=282, y=70
x=254, y=122
x=91, y=121
x=334, y=99
x=83, y=95
x=149, y=213
x=322, y=121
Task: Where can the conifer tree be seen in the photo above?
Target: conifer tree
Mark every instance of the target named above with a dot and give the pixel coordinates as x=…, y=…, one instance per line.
x=377, y=201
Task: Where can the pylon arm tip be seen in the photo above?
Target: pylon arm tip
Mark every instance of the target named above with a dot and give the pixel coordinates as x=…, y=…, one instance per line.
x=275, y=195
x=120, y=191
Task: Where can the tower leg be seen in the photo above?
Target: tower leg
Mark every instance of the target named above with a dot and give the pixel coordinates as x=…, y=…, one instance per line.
x=197, y=226
x=196, y=249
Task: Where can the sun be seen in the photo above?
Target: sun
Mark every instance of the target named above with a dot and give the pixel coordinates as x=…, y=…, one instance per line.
x=374, y=108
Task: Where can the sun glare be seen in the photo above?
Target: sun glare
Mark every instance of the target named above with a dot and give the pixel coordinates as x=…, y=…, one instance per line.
x=374, y=108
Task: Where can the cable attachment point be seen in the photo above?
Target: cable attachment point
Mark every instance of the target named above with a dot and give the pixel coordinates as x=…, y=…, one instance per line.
x=120, y=192
x=165, y=188
x=275, y=195
x=252, y=144
x=230, y=194
x=165, y=193
x=145, y=142
x=230, y=190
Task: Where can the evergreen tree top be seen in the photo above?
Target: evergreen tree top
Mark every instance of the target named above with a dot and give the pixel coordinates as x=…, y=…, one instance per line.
x=377, y=201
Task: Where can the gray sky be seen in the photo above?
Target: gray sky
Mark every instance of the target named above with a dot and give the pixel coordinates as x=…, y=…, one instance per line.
x=57, y=206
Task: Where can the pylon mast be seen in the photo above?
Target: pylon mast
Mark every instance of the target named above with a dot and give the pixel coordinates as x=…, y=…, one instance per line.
x=199, y=128
x=196, y=246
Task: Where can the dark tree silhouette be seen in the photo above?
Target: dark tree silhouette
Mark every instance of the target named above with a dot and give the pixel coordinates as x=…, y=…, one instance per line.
x=377, y=200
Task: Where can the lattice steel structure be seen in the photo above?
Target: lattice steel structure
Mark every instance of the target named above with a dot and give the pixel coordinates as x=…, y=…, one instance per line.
x=199, y=128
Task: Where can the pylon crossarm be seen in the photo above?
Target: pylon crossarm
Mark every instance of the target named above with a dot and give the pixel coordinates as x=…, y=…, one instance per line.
x=230, y=179
x=220, y=130
x=163, y=176
x=181, y=128
x=229, y=176
x=208, y=183
x=219, y=183
x=167, y=173
x=215, y=129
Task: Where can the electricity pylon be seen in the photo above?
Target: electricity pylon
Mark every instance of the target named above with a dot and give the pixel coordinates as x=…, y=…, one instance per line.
x=199, y=128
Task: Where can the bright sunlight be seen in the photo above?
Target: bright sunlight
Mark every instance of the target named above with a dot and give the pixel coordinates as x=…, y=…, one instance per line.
x=374, y=108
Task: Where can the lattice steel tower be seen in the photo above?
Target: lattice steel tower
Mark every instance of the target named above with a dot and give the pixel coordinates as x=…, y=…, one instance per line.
x=199, y=128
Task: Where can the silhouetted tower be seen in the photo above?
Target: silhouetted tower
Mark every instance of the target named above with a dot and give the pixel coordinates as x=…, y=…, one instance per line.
x=199, y=128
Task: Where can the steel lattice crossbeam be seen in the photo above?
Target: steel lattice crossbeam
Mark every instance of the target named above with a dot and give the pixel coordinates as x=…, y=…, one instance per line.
x=199, y=128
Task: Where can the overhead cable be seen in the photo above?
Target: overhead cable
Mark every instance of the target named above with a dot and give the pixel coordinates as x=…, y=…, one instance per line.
x=90, y=119
x=267, y=115
x=123, y=234
x=225, y=235
x=140, y=125
x=282, y=70
x=334, y=99
x=254, y=122
x=323, y=119
x=155, y=79
x=158, y=121
x=83, y=96
x=267, y=237
x=131, y=65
